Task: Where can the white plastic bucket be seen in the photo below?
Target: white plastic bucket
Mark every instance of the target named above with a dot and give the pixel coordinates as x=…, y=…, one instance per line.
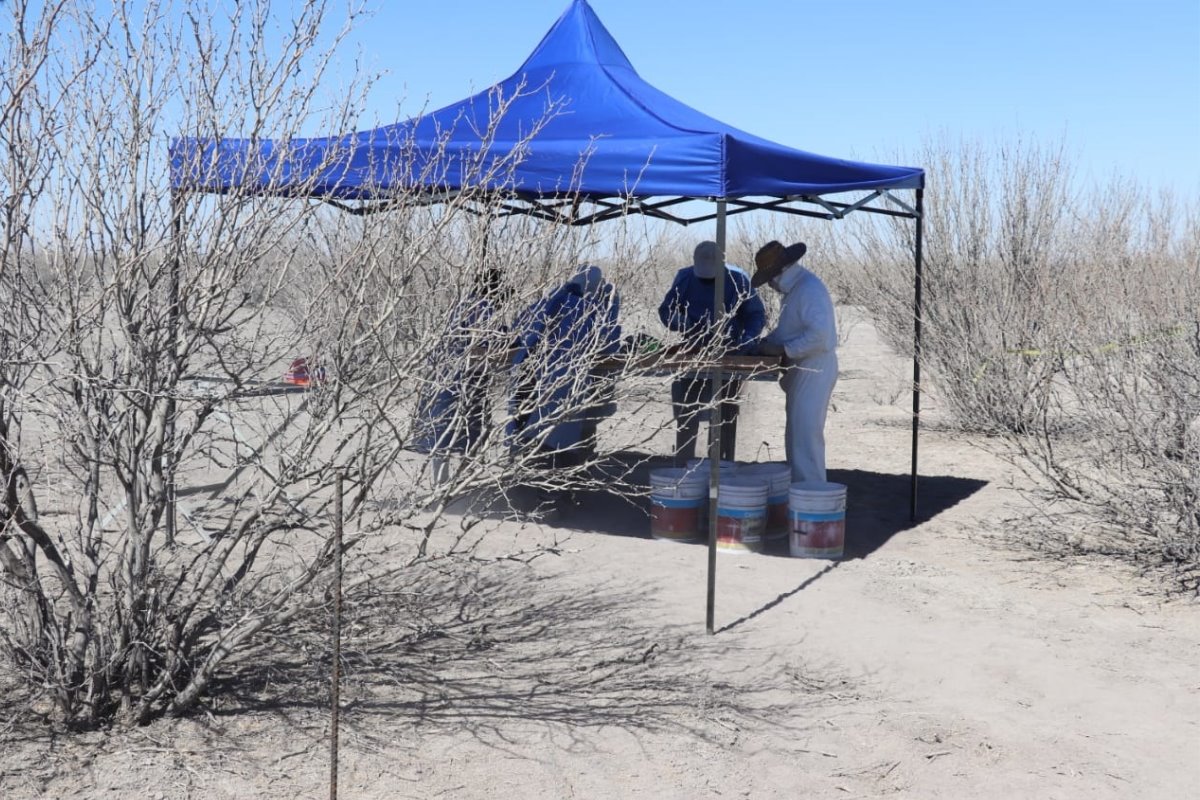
x=678, y=500
x=700, y=466
x=778, y=475
x=741, y=514
x=817, y=512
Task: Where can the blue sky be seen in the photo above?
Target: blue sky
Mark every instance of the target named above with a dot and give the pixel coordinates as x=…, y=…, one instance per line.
x=1118, y=82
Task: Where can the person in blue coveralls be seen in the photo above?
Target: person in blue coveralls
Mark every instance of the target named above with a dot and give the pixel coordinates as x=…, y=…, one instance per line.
x=452, y=409
x=558, y=396
x=688, y=309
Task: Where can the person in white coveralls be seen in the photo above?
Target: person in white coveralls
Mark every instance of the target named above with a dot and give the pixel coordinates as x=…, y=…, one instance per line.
x=806, y=336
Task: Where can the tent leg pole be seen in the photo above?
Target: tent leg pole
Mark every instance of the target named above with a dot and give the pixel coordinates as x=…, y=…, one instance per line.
x=917, y=314
x=173, y=325
x=714, y=434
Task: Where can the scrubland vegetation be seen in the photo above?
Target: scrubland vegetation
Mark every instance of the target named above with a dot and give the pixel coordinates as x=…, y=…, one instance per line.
x=1060, y=320
x=168, y=505
x=163, y=512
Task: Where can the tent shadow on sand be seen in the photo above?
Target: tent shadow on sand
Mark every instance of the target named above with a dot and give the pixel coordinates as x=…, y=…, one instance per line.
x=877, y=504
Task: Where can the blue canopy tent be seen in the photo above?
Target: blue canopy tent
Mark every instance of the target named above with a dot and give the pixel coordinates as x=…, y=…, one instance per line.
x=576, y=136
x=588, y=127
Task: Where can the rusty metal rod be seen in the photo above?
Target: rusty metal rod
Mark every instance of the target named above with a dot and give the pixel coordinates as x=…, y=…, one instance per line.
x=337, y=637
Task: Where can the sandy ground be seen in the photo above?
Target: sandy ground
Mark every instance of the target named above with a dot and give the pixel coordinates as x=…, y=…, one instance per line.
x=943, y=659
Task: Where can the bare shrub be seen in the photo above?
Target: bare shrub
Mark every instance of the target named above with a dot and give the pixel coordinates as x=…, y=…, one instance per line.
x=1119, y=431
x=167, y=500
x=994, y=253
x=1061, y=320
x=108, y=321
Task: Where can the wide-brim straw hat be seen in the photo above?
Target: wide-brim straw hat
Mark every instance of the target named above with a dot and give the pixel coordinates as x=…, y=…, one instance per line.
x=773, y=258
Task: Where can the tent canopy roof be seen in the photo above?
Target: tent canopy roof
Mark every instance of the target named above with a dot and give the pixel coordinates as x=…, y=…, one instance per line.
x=574, y=119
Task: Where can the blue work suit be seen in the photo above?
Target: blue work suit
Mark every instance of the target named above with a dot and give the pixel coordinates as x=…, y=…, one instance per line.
x=452, y=410
x=687, y=308
x=549, y=373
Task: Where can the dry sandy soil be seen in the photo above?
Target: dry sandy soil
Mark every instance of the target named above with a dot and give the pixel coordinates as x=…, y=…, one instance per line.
x=943, y=659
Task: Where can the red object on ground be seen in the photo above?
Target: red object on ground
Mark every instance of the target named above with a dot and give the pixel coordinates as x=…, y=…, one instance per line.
x=300, y=374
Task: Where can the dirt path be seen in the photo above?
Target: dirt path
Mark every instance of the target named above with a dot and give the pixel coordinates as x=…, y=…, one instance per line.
x=941, y=660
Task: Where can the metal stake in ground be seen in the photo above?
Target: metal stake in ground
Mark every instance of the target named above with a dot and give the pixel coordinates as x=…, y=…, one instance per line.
x=337, y=636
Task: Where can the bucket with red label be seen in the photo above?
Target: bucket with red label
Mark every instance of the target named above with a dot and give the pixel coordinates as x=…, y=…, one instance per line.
x=741, y=514
x=778, y=475
x=678, y=501
x=817, y=511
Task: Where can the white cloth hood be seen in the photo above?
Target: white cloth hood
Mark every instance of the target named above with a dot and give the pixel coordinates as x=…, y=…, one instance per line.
x=791, y=277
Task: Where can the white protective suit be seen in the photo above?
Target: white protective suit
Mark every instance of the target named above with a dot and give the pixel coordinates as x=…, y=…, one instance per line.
x=807, y=331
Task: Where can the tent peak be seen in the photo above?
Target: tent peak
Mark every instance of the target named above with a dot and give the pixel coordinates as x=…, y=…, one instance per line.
x=578, y=37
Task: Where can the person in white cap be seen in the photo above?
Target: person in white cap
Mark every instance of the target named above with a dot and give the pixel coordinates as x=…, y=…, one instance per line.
x=688, y=308
x=806, y=336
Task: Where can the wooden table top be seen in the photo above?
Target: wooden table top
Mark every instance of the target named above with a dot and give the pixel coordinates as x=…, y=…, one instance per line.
x=664, y=361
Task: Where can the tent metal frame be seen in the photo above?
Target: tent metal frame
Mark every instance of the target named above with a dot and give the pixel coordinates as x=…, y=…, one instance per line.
x=567, y=210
